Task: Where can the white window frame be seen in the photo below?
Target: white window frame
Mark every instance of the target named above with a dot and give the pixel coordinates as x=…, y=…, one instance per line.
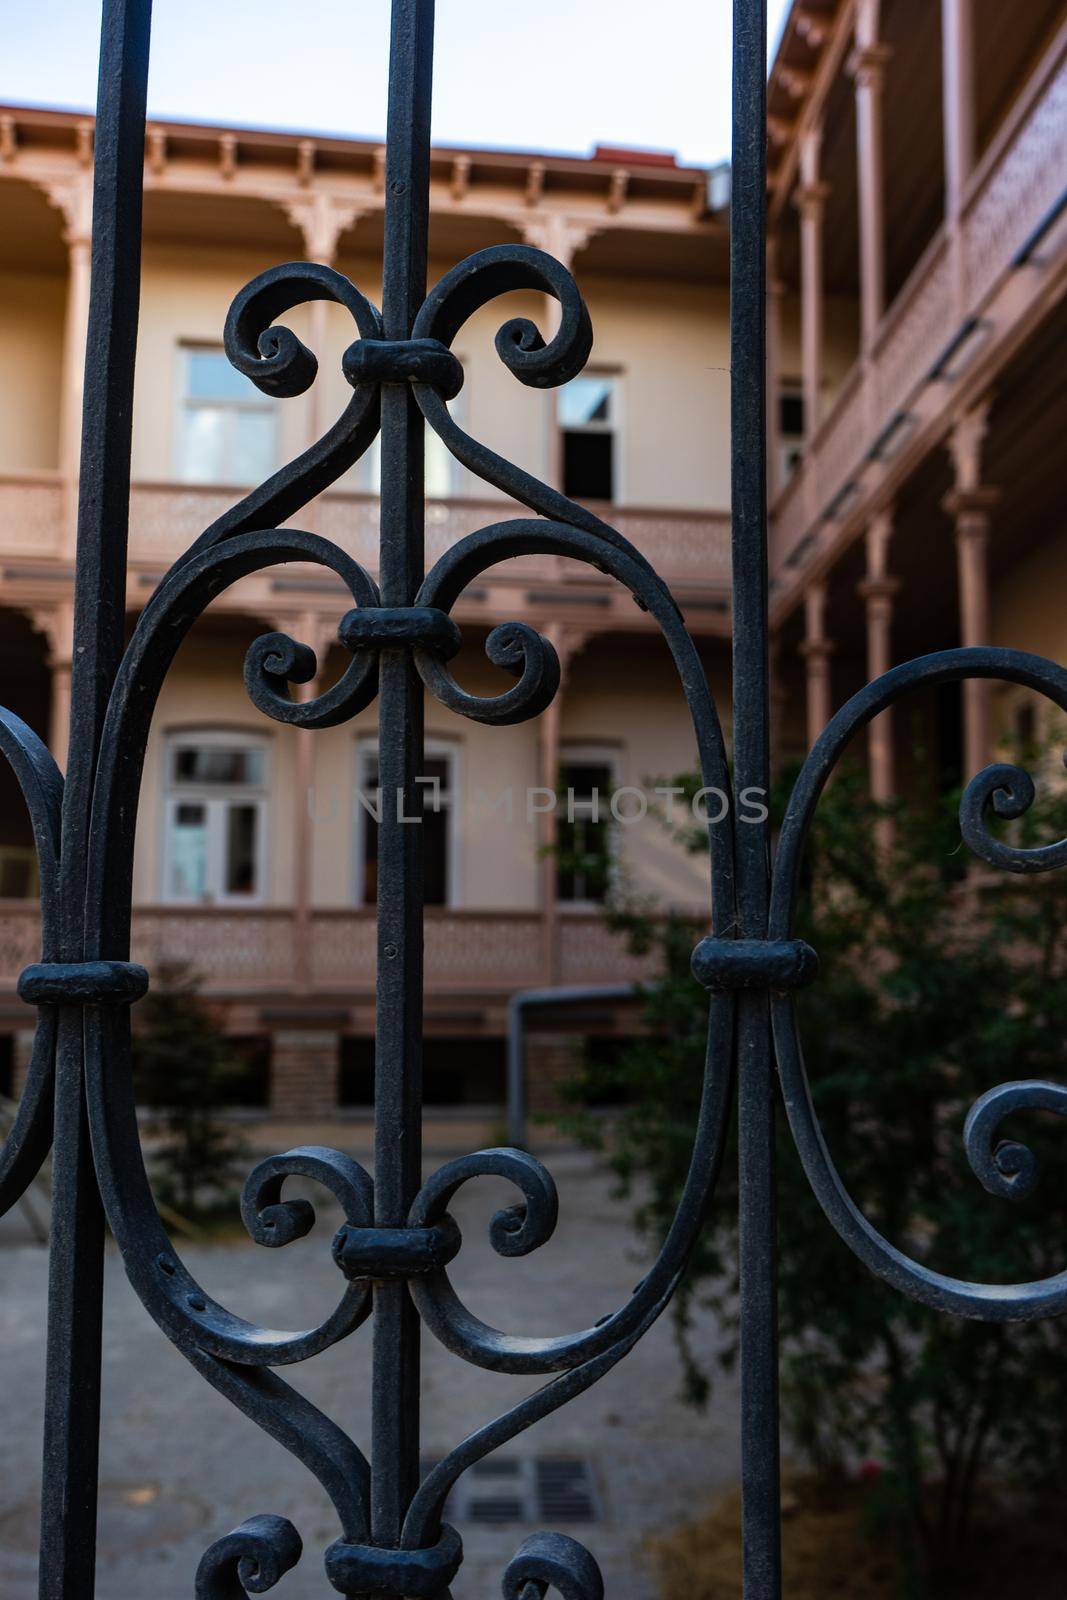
x=371, y=464
x=216, y=798
x=615, y=427
x=262, y=404
x=447, y=750
x=592, y=755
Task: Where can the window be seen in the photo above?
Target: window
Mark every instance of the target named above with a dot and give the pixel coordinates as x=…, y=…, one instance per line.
x=227, y=429
x=586, y=411
x=215, y=819
x=584, y=833
x=437, y=792
x=440, y=467
x=790, y=429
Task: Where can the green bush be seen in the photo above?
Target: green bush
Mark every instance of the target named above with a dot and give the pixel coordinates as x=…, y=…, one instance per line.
x=185, y=1071
x=935, y=984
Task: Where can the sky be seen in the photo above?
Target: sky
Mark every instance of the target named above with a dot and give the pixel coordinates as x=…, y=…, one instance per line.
x=546, y=75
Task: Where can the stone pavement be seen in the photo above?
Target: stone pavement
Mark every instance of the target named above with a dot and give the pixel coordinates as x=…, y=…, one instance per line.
x=180, y=1466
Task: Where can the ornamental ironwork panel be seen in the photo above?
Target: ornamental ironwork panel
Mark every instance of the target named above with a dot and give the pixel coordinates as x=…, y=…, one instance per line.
x=398, y=1238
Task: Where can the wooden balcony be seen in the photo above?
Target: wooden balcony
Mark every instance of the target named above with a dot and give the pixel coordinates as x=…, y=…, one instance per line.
x=964, y=284
x=690, y=549
x=243, y=955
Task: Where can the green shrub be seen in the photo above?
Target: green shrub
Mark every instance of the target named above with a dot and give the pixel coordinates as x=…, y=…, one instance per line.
x=934, y=986
x=185, y=1071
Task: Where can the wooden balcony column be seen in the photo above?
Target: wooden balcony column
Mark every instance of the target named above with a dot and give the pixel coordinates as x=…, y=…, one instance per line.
x=970, y=504
x=567, y=642
x=562, y=237
x=817, y=649
x=958, y=122
x=778, y=695
x=775, y=295
x=321, y=221
x=319, y=630
x=56, y=624
x=867, y=65
x=810, y=200
x=957, y=80
x=877, y=591
x=73, y=199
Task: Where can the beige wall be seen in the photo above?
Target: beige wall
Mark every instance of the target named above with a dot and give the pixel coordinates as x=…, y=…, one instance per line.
x=669, y=349
x=32, y=306
x=628, y=701
x=624, y=698
x=185, y=296
x=670, y=343
x=1027, y=602
x=1028, y=614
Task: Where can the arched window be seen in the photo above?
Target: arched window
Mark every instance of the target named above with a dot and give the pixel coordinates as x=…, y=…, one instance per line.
x=215, y=818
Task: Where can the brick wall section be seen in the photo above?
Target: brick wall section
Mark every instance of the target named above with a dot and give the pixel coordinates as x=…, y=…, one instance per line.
x=304, y=1072
x=551, y=1059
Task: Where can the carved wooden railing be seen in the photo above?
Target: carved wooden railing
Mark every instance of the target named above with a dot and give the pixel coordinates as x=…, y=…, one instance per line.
x=1018, y=181
x=31, y=513
x=255, y=951
x=690, y=547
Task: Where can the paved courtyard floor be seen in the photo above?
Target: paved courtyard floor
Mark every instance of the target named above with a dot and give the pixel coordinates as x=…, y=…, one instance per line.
x=179, y=1466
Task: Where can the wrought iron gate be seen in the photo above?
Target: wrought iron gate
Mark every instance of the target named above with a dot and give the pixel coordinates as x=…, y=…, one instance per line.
x=398, y=1238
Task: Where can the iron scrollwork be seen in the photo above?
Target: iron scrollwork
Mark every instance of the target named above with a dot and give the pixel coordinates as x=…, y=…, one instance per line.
x=398, y=379
x=239, y=1358
x=1008, y=1169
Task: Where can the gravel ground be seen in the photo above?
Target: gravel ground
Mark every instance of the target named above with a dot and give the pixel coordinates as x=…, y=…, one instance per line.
x=179, y=1466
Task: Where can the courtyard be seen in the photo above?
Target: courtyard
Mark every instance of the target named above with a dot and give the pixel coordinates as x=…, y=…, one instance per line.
x=180, y=1466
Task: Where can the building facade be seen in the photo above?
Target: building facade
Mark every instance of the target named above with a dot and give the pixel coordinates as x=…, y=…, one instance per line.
x=917, y=261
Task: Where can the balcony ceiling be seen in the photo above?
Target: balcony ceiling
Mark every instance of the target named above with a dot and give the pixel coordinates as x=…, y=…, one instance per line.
x=224, y=219
x=912, y=120
x=1024, y=448
x=1009, y=40
x=31, y=230
x=698, y=257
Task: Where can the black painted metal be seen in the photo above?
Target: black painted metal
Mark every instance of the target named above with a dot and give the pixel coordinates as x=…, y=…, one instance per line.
x=757, y=1209
x=75, y=1288
x=398, y=1238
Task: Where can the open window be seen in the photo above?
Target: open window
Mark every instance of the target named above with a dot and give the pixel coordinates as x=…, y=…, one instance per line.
x=587, y=412
x=215, y=819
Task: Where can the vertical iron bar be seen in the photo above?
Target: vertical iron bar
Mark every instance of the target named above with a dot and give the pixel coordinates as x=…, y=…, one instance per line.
x=398, y=1060
x=75, y=1286
x=748, y=432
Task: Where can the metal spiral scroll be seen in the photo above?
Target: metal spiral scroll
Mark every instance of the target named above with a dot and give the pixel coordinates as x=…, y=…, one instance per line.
x=1007, y=1169
x=30, y=1138
x=239, y=1357
x=236, y=1356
